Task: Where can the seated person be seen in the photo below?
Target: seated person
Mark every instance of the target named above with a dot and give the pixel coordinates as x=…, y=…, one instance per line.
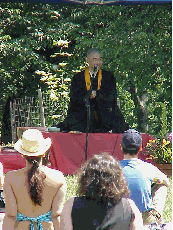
x=147, y=184
x=2, y=202
x=34, y=195
x=93, y=100
x=102, y=202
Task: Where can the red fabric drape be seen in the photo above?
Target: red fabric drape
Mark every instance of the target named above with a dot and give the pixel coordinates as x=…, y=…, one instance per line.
x=67, y=152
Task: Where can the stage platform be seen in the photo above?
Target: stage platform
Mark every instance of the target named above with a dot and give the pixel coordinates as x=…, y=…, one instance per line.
x=68, y=150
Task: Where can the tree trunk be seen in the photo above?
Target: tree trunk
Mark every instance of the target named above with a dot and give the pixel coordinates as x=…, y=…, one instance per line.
x=141, y=111
x=6, y=132
x=41, y=108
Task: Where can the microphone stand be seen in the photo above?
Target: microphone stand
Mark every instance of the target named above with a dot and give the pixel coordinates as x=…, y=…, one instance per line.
x=87, y=127
x=88, y=119
x=88, y=113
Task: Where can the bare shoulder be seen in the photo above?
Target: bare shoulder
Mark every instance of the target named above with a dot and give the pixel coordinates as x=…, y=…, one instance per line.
x=12, y=174
x=66, y=220
x=132, y=204
x=54, y=174
x=136, y=211
x=70, y=201
x=51, y=171
x=68, y=204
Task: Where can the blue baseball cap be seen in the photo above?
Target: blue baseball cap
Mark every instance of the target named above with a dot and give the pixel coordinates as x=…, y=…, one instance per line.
x=131, y=140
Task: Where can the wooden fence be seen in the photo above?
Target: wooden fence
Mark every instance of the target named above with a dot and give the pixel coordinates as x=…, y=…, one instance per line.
x=29, y=112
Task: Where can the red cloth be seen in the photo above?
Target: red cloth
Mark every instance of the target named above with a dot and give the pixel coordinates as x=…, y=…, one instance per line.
x=67, y=152
x=11, y=160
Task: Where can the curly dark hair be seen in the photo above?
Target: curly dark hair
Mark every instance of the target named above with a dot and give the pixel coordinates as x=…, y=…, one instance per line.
x=101, y=178
x=35, y=180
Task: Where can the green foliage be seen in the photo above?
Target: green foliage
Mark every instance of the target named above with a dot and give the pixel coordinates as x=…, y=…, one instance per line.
x=163, y=118
x=127, y=106
x=72, y=185
x=167, y=212
x=45, y=44
x=160, y=150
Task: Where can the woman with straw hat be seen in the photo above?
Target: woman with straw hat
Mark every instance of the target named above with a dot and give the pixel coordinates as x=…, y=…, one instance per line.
x=34, y=195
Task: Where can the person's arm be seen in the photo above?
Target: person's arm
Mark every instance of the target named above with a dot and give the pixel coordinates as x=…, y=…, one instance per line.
x=1, y=176
x=66, y=220
x=10, y=203
x=108, y=90
x=166, y=181
x=78, y=91
x=57, y=205
x=137, y=221
x=159, y=177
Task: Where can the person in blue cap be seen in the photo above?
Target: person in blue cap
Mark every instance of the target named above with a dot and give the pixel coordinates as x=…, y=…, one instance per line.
x=147, y=184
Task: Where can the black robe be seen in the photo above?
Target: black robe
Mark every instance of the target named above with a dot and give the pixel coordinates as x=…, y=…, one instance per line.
x=102, y=112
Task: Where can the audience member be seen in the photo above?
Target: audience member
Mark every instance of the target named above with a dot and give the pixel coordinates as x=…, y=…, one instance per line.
x=2, y=202
x=34, y=195
x=102, y=202
x=147, y=184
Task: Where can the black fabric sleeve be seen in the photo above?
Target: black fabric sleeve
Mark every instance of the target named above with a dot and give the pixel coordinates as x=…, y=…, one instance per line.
x=77, y=89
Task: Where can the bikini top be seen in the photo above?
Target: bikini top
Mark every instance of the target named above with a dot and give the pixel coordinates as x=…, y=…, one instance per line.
x=46, y=217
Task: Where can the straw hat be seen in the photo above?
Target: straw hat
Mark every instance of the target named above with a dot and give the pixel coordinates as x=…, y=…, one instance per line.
x=32, y=143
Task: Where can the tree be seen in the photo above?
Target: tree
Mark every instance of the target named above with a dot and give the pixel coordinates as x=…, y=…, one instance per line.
x=136, y=41
x=45, y=44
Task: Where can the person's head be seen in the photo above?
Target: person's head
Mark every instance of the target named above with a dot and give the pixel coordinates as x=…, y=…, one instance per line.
x=94, y=58
x=101, y=178
x=131, y=142
x=33, y=146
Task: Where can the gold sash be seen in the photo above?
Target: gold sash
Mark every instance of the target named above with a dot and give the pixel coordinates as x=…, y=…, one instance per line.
x=88, y=80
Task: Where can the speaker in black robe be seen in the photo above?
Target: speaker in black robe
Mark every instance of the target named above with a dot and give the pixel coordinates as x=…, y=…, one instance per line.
x=104, y=114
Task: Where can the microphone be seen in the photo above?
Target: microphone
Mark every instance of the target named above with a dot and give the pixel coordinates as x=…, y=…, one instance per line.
x=96, y=68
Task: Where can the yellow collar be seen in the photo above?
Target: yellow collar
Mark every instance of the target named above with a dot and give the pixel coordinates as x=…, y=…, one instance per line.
x=88, y=80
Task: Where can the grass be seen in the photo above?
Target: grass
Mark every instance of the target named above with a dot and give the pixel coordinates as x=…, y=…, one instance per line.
x=71, y=186
x=167, y=213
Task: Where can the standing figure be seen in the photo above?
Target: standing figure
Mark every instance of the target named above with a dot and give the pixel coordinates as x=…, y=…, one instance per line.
x=93, y=100
x=34, y=195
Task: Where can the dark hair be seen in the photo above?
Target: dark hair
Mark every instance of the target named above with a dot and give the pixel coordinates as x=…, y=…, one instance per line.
x=129, y=151
x=35, y=180
x=101, y=178
x=93, y=50
x=46, y=158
